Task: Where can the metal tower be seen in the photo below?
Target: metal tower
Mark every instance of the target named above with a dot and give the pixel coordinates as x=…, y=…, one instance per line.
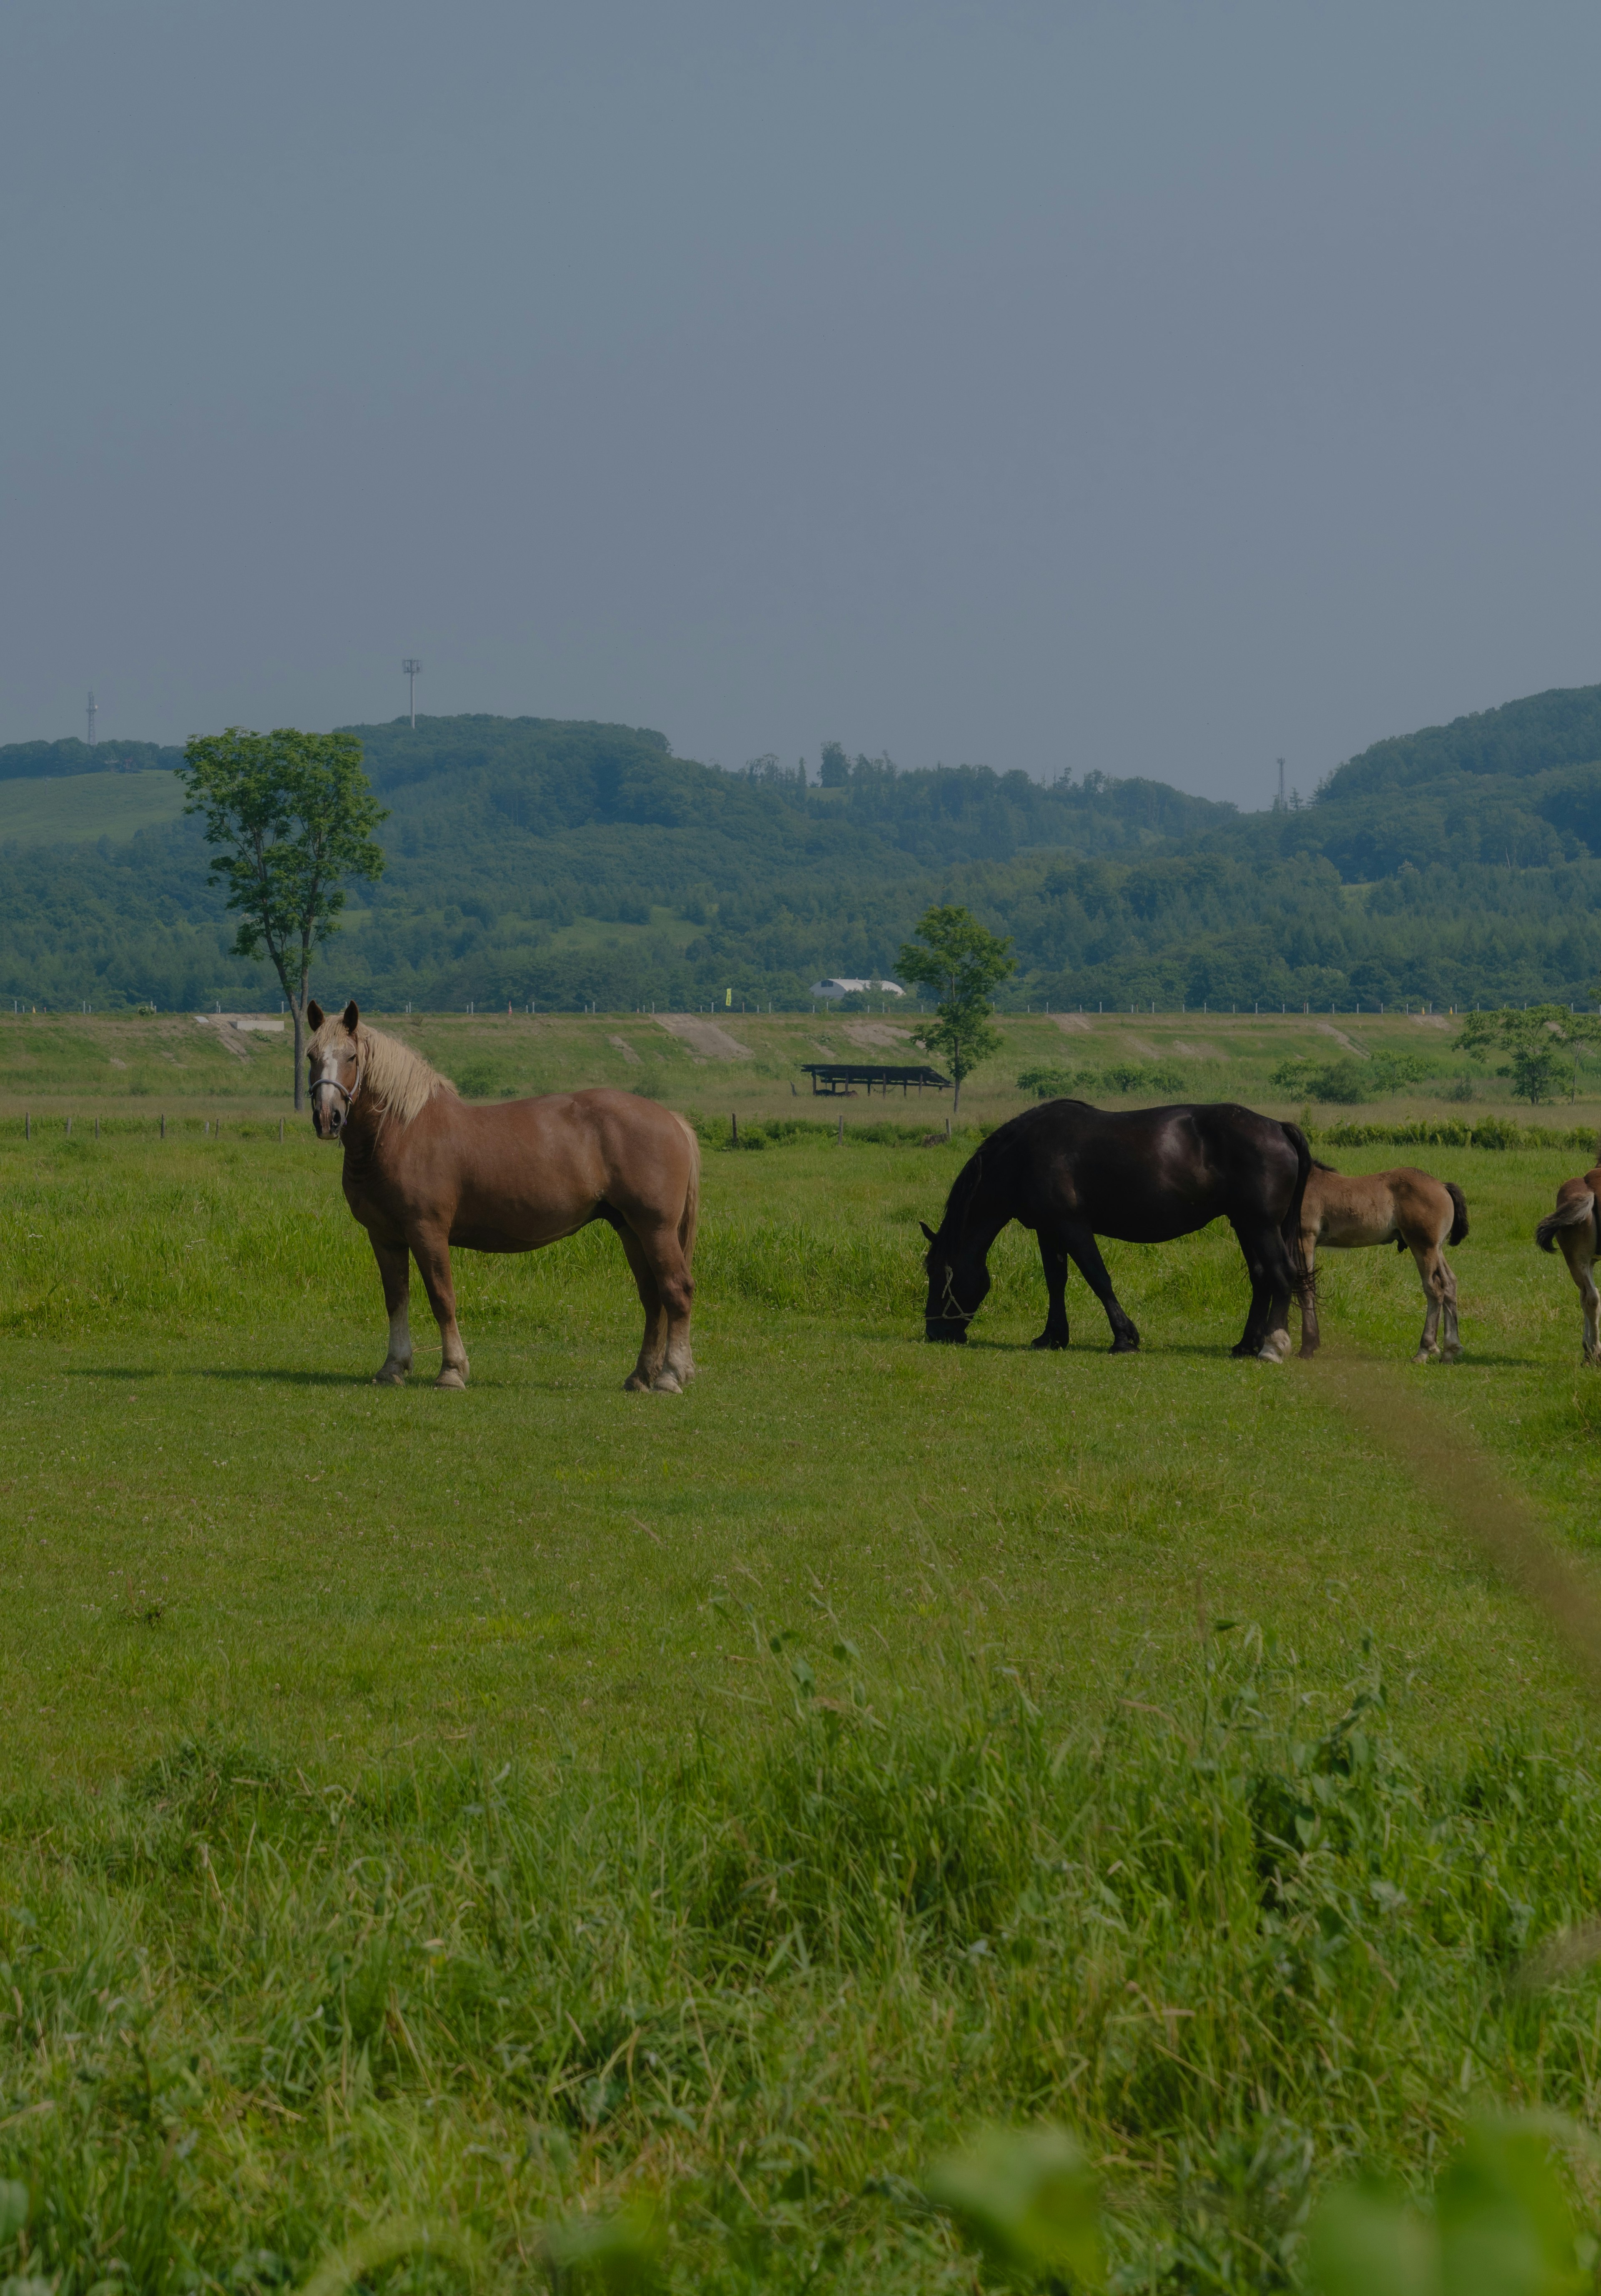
x=91, y=713
x=413, y=669
x=1281, y=785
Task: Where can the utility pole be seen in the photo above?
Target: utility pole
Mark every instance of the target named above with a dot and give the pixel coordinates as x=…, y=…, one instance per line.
x=91, y=713
x=413, y=668
x=1281, y=785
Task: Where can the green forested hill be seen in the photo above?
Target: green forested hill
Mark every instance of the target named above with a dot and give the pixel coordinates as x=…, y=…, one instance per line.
x=570, y=863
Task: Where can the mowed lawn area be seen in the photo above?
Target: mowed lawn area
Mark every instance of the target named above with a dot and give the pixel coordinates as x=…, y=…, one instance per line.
x=482, y=1808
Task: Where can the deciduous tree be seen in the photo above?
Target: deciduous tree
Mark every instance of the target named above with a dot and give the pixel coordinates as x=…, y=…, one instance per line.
x=294, y=816
x=962, y=963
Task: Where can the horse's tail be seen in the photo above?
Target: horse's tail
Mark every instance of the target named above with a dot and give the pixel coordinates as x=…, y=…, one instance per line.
x=1576, y=1210
x=689, y=1218
x=1459, y=1218
x=1291, y=1230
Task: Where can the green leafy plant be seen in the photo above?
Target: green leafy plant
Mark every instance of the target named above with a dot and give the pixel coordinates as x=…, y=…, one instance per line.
x=1026, y=2198
x=1500, y=2224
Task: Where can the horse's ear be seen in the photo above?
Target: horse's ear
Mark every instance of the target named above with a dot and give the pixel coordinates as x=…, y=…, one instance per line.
x=314, y=1014
x=928, y=1231
x=351, y=1015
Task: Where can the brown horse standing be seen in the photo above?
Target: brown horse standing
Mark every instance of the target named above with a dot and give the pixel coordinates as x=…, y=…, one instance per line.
x=424, y=1171
x=1410, y=1208
x=1573, y=1226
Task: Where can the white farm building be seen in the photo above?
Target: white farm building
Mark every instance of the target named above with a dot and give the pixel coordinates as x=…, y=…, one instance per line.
x=843, y=987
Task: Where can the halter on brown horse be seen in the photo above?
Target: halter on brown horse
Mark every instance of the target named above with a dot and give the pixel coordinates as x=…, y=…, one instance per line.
x=424, y=1171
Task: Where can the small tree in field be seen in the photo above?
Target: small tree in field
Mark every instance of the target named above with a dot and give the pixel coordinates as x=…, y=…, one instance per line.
x=1544, y=1044
x=961, y=963
x=294, y=815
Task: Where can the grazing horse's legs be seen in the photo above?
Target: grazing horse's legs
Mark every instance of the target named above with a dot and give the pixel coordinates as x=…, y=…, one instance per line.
x=1054, y=1257
x=1311, y=1339
x=394, y=1265
x=1085, y=1253
x=432, y=1252
x=1267, y=1331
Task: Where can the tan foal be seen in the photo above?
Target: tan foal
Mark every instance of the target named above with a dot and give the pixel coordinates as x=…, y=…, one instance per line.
x=1407, y=1208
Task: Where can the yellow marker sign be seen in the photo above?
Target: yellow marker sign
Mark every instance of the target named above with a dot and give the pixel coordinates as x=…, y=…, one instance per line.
x=728, y=997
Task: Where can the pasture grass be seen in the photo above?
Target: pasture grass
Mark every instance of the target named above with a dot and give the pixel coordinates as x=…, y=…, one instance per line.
x=486, y=1806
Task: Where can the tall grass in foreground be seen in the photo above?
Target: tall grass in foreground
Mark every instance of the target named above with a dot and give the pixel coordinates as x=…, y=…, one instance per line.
x=1238, y=1945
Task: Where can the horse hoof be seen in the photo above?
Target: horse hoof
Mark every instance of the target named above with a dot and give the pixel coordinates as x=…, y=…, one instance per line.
x=391, y=1374
x=666, y=1384
x=1275, y=1349
x=1124, y=1348
x=451, y=1377
x=634, y=1385
x=1049, y=1339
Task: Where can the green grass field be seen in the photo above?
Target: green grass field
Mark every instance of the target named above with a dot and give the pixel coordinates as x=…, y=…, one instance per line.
x=78, y=808
x=486, y=1808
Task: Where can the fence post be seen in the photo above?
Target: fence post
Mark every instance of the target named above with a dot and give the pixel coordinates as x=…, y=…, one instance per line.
x=733, y=1122
x=840, y=1143
x=163, y=1124
x=97, y=1128
x=27, y=1125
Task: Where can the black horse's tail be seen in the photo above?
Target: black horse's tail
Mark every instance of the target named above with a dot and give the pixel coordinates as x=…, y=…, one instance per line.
x=1459, y=1217
x=1291, y=1230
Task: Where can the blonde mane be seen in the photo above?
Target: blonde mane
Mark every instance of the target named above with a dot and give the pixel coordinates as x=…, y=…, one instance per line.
x=400, y=1082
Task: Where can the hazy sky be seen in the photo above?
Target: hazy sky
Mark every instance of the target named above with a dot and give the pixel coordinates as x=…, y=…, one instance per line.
x=1154, y=388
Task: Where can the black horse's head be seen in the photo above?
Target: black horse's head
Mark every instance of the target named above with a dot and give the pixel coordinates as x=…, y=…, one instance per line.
x=958, y=1277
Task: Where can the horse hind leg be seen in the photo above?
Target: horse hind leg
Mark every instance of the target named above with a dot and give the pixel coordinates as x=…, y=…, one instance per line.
x=1307, y=1294
x=432, y=1256
x=1452, y=1346
x=1431, y=1272
x=666, y=1362
x=652, y=1346
x=1579, y=1255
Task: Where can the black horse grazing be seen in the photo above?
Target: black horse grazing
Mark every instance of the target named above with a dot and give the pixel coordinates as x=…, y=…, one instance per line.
x=1072, y=1172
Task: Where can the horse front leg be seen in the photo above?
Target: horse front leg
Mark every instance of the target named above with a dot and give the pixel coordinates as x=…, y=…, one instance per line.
x=432, y=1252
x=394, y=1267
x=1053, y=1260
x=1086, y=1255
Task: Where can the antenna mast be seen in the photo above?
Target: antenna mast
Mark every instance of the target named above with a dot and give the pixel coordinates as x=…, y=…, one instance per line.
x=413, y=669
x=1281, y=785
x=91, y=713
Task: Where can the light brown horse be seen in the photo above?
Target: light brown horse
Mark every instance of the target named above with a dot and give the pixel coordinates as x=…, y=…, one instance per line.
x=424, y=1171
x=1410, y=1208
x=1573, y=1226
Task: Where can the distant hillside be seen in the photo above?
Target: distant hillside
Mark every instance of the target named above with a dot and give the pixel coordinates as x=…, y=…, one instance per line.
x=565, y=863
x=41, y=760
